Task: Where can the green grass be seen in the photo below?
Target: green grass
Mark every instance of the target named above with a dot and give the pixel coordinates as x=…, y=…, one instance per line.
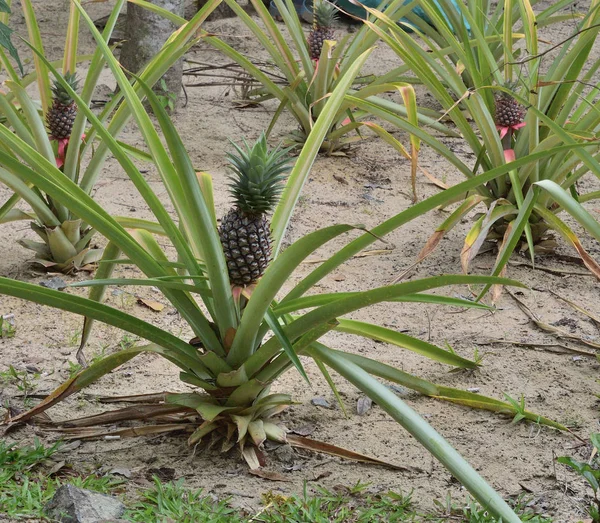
x=172, y=501
x=353, y=505
x=26, y=485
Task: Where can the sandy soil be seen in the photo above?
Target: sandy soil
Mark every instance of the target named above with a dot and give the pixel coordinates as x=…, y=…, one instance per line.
x=367, y=186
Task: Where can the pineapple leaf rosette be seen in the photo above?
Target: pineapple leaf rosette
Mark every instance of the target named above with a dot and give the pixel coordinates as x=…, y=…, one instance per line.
x=306, y=67
x=537, y=124
x=51, y=123
x=251, y=316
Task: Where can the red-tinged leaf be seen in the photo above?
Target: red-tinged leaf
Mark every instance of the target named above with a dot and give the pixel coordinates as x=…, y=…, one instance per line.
x=558, y=225
x=589, y=262
x=466, y=254
x=464, y=208
x=431, y=244
x=229, y=336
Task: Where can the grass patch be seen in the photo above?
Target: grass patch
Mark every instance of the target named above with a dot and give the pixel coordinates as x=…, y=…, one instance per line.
x=30, y=475
x=352, y=506
x=26, y=482
x=172, y=501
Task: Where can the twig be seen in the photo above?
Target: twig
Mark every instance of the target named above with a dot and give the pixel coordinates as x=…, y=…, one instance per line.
x=558, y=272
x=578, y=308
x=542, y=346
x=375, y=252
x=550, y=49
x=555, y=331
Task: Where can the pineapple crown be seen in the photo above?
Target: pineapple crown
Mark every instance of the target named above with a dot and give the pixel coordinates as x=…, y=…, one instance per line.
x=60, y=93
x=324, y=13
x=257, y=175
x=509, y=85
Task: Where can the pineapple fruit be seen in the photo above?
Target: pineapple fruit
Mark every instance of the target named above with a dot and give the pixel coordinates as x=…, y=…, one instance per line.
x=256, y=178
x=62, y=113
x=324, y=14
x=509, y=112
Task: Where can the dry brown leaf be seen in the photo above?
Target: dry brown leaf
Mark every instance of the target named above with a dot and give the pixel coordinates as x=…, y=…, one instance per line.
x=327, y=448
x=129, y=432
x=578, y=308
x=153, y=397
x=250, y=455
x=268, y=474
x=137, y=412
x=151, y=304
x=559, y=333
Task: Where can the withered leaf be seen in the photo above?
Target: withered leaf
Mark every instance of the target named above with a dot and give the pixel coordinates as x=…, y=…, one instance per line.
x=151, y=304
x=267, y=474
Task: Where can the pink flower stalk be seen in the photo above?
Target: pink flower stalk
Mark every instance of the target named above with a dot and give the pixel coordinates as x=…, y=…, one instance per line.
x=506, y=128
x=509, y=155
x=62, y=149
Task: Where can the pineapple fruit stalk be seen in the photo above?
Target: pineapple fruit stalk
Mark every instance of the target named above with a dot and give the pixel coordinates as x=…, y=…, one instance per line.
x=62, y=113
x=324, y=14
x=256, y=182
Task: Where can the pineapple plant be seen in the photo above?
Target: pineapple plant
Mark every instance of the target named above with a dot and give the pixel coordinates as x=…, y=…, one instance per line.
x=324, y=14
x=62, y=113
x=256, y=183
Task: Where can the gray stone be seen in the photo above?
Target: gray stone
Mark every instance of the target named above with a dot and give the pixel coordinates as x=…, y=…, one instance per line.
x=74, y=505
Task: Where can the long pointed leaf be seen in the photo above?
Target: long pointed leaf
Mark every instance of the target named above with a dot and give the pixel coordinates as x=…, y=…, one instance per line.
x=422, y=431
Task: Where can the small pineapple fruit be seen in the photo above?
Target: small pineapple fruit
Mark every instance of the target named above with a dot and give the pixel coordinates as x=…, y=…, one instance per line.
x=61, y=115
x=324, y=14
x=509, y=112
x=256, y=183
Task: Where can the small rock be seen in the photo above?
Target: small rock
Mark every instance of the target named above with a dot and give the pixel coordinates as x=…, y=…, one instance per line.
x=473, y=389
x=285, y=454
x=56, y=283
x=120, y=471
x=399, y=389
x=320, y=402
x=305, y=430
x=74, y=505
x=363, y=405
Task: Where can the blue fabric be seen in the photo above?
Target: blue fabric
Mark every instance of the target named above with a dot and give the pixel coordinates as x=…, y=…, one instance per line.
x=355, y=10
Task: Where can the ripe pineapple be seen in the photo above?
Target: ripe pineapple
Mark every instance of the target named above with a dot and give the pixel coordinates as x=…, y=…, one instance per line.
x=324, y=14
x=509, y=112
x=256, y=183
x=61, y=115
